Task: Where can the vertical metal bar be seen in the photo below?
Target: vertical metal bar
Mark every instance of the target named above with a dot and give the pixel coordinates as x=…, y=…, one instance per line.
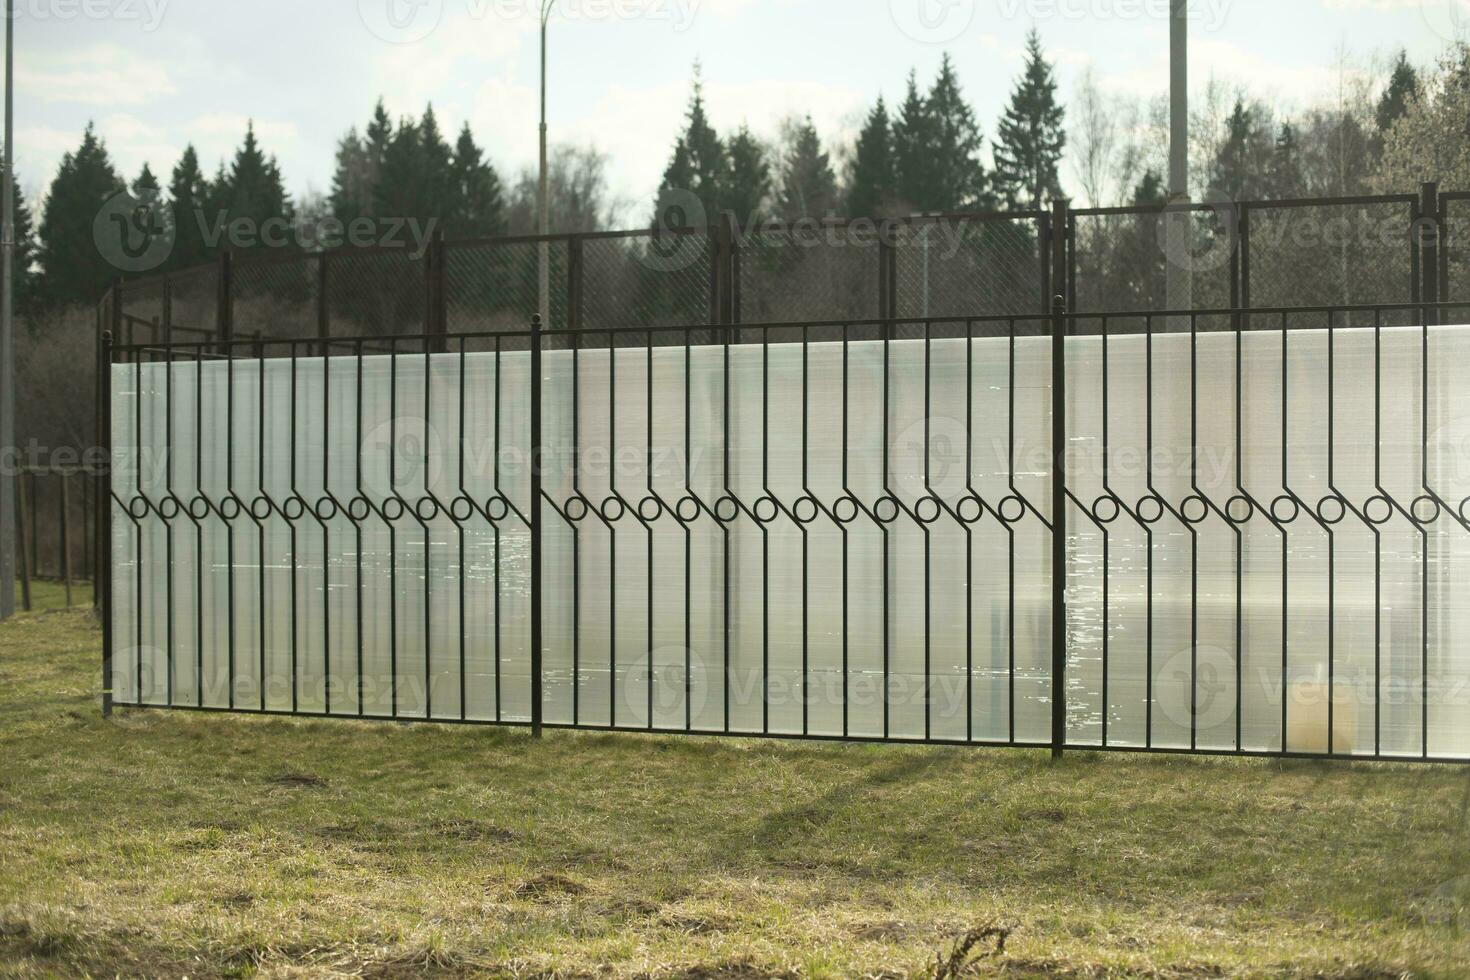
x=534, y=513
x=104, y=510
x=1059, y=493
x=66, y=535
x=323, y=305
x=225, y=324
x=35, y=525
x=1430, y=239
x=574, y=282
x=23, y=545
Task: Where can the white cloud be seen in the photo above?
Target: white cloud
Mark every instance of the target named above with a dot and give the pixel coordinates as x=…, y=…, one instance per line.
x=97, y=75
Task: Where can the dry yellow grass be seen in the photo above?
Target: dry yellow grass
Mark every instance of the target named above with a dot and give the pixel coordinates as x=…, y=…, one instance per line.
x=175, y=845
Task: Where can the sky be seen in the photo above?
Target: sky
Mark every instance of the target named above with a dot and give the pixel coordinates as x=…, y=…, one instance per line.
x=156, y=75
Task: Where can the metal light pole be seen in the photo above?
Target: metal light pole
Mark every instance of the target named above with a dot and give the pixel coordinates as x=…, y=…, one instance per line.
x=1180, y=284
x=544, y=195
x=7, y=334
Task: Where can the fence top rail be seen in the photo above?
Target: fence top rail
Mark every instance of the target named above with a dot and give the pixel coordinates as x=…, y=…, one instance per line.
x=390, y=344
x=1260, y=311
x=1198, y=207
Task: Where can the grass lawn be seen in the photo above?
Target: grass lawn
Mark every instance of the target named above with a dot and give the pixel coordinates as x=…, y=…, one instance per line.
x=185, y=845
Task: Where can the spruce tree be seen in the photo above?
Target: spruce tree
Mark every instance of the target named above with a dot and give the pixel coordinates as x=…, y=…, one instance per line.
x=699, y=166
x=25, y=254
x=960, y=181
x=914, y=152
x=1031, y=137
x=478, y=203
x=73, y=269
x=1287, y=179
x=399, y=192
x=1244, y=157
x=146, y=189
x=253, y=189
x=189, y=195
x=352, y=184
x=1403, y=88
x=749, y=184
x=435, y=180
x=872, y=180
x=808, y=185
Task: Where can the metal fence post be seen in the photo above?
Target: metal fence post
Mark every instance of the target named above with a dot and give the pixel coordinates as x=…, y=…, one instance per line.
x=225, y=325
x=65, y=479
x=887, y=276
x=323, y=306
x=1059, y=491
x=534, y=513
x=104, y=516
x=1428, y=241
x=574, y=282
x=23, y=545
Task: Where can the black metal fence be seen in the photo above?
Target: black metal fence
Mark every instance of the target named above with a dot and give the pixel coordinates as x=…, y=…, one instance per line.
x=964, y=479
x=1341, y=251
x=55, y=539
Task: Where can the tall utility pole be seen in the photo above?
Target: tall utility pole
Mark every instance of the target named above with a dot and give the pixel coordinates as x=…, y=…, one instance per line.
x=1179, y=225
x=8, y=481
x=544, y=194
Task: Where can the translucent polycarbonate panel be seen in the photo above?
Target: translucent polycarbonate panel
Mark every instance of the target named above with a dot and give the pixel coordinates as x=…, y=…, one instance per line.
x=1264, y=539
x=1296, y=589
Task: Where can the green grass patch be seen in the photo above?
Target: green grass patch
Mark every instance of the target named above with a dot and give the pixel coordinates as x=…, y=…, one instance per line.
x=158, y=844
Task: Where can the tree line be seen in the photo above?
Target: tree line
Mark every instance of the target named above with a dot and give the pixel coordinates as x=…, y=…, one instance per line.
x=927, y=153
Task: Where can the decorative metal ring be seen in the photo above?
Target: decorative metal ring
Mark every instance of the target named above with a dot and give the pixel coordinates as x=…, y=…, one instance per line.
x=134, y=510
x=1151, y=509
x=496, y=516
x=1279, y=508
x=930, y=514
x=970, y=510
x=1239, y=509
x=766, y=510
x=168, y=508
x=650, y=508
x=427, y=508
x=393, y=509
x=727, y=509
x=886, y=509
x=576, y=509
x=613, y=509
x=1387, y=509
x=687, y=510
x=1106, y=509
x=845, y=509
x=359, y=508
x=294, y=509
x=1331, y=509
x=199, y=508
x=261, y=508
x=1423, y=516
x=805, y=510
x=1194, y=500
x=326, y=508
x=230, y=509
x=1012, y=516
x=1465, y=509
